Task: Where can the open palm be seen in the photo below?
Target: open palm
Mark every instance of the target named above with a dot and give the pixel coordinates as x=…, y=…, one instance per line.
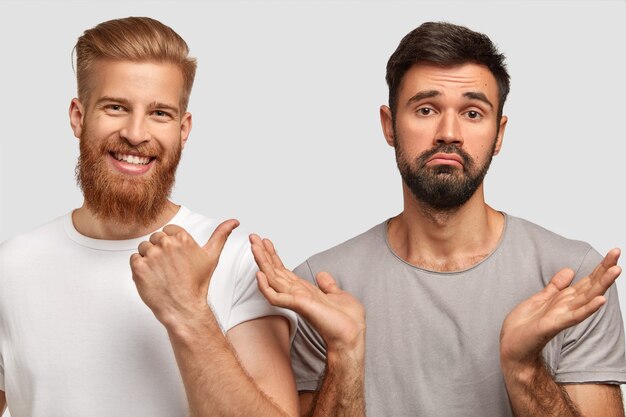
x=535, y=321
x=335, y=314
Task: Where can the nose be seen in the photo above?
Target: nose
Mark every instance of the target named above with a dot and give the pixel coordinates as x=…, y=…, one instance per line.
x=448, y=129
x=135, y=130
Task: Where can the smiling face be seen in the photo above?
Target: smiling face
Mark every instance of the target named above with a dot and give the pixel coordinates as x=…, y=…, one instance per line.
x=131, y=134
x=445, y=131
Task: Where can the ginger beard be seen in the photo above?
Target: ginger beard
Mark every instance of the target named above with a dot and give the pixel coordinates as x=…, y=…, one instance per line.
x=121, y=198
x=443, y=188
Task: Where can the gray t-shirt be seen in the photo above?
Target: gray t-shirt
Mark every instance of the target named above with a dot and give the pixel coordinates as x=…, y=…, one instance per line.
x=432, y=346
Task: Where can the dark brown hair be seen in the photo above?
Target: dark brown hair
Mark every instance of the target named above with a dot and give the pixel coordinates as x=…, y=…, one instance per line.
x=447, y=45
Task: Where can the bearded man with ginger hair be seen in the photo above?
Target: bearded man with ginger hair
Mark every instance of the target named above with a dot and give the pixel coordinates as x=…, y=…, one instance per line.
x=75, y=337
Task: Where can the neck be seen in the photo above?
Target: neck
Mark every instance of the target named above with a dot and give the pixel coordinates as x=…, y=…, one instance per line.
x=450, y=240
x=90, y=225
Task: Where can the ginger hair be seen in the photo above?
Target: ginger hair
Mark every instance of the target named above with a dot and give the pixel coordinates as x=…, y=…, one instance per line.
x=136, y=39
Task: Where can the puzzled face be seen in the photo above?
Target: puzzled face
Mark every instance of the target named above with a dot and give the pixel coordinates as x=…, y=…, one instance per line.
x=445, y=131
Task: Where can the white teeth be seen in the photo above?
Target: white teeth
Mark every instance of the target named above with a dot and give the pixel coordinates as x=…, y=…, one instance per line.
x=132, y=159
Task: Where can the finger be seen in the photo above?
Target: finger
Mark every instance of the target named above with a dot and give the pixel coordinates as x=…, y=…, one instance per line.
x=254, y=239
x=257, y=248
x=585, y=311
x=327, y=283
x=280, y=280
x=135, y=258
x=218, y=238
x=261, y=257
x=143, y=248
x=274, y=297
x=173, y=229
x=559, y=282
x=155, y=238
x=611, y=258
x=271, y=250
x=590, y=289
x=602, y=277
x=607, y=263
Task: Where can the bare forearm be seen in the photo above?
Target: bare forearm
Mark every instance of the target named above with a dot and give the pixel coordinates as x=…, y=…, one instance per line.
x=3, y=402
x=342, y=393
x=215, y=382
x=533, y=392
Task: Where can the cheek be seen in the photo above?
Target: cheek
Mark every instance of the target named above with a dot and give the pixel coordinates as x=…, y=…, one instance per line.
x=483, y=152
x=102, y=127
x=415, y=135
x=166, y=135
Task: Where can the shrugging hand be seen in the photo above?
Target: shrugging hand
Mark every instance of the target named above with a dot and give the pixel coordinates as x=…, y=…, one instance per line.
x=534, y=322
x=335, y=314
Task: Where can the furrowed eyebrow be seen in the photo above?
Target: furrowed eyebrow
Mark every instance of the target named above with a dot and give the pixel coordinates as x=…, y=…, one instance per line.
x=477, y=95
x=421, y=95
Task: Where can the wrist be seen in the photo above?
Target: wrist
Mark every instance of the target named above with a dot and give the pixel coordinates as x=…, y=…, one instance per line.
x=351, y=344
x=186, y=326
x=522, y=371
x=352, y=355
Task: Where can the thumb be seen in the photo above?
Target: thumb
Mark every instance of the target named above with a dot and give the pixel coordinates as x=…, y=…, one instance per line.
x=327, y=283
x=218, y=238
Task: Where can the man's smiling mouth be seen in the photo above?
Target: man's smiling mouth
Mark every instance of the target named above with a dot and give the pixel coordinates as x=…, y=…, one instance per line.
x=132, y=159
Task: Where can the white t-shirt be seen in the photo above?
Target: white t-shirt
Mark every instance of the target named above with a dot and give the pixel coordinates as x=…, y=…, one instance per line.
x=75, y=337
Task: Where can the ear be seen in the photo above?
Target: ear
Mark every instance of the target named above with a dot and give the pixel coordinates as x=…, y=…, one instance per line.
x=502, y=128
x=185, y=128
x=386, y=122
x=77, y=115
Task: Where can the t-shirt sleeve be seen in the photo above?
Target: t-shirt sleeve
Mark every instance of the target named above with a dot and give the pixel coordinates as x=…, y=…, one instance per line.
x=248, y=301
x=593, y=351
x=308, y=350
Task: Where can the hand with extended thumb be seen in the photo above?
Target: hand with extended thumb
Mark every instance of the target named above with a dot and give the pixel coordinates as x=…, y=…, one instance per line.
x=172, y=272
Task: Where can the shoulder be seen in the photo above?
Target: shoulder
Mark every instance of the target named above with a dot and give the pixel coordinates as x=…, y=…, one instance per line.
x=32, y=251
x=524, y=231
x=41, y=237
x=535, y=241
x=201, y=227
x=529, y=230
x=351, y=253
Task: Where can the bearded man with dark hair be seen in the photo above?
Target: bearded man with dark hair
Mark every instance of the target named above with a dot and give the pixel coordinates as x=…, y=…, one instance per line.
x=470, y=311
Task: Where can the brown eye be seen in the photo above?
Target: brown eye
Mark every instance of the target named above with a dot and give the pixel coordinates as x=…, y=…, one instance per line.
x=425, y=111
x=114, y=108
x=161, y=114
x=472, y=114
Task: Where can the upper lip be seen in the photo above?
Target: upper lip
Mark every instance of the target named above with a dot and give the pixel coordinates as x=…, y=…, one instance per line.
x=132, y=153
x=449, y=156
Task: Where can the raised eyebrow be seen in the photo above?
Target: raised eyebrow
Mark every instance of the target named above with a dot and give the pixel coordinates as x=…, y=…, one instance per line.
x=421, y=95
x=477, y=95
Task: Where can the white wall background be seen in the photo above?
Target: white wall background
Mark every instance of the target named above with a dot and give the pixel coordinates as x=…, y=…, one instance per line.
x=286, y=134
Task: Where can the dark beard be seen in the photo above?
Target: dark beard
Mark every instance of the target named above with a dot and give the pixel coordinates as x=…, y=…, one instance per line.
x=443, y=188
x=125, y=199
